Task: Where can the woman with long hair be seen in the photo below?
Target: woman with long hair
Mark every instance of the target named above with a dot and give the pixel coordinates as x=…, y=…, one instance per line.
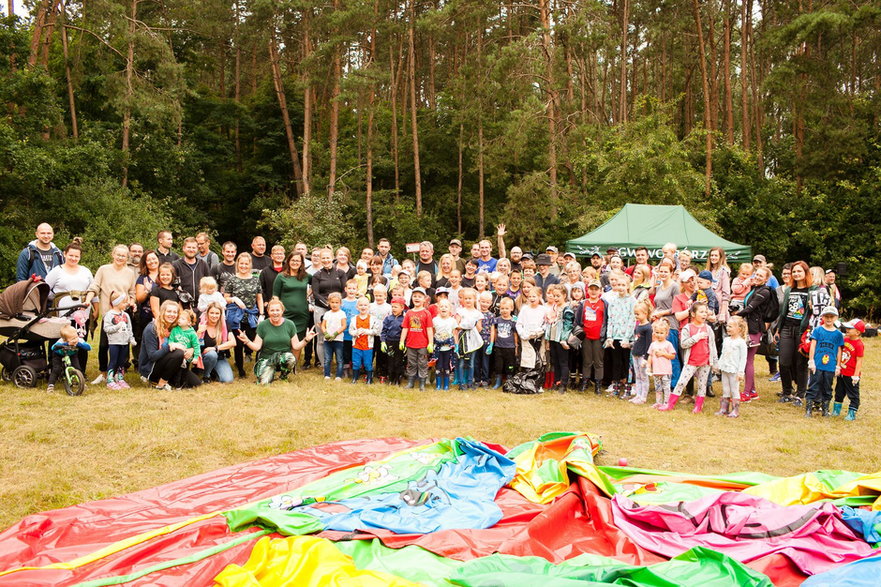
x=795, y=314
x=244, y=304
x=216, y=342
x=70, y=283
x=292, y=288
x=160, y=361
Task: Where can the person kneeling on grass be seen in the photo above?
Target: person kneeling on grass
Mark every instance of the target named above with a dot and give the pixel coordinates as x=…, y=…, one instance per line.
x=277, y=342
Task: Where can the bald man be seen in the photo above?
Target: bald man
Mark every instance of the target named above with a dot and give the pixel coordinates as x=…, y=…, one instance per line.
x=40, y=256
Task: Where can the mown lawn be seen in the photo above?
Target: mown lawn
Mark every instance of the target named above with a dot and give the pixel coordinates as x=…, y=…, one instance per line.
x=57, y=450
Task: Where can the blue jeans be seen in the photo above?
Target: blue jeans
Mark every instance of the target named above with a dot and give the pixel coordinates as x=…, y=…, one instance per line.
x=673, y=337
x=820, y=389
x=333, y=348
x=481, y=364
x=362, y=359
x=214, y=364
x=118, y=356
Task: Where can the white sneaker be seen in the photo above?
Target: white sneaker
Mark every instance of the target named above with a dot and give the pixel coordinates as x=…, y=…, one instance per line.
x=99, y=379
x=327, y=378
x=338, y=379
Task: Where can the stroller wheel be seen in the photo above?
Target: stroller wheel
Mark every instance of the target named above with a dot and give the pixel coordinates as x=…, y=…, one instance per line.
x=24, y=376
x=6, y=375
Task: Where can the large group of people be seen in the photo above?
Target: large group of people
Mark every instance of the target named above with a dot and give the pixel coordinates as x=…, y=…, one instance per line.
x=523, y=322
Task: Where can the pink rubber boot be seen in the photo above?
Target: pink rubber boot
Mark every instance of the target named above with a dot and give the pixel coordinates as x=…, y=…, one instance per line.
x=671, y=403
x=698, y=404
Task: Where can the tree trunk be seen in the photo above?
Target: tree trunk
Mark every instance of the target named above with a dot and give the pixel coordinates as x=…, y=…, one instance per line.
x=712, y=60
x=460, y=179
x=70, y=96
x=333, y=135
x=745, y=15
x=129, y=91
x=278, y=82
x=708, y=120
x=395, y=80
x=729, y=101
x=238, y=87
x=417, y=175
x=37, y=35
x=622, y=95
x=307, y=105
x=368, y=198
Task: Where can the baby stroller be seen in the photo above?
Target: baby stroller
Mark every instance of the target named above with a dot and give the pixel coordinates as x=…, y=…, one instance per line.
x=25, y=321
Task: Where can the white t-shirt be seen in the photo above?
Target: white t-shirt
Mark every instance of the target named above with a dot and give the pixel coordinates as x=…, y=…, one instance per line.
x=334, y=323
x=61, y=281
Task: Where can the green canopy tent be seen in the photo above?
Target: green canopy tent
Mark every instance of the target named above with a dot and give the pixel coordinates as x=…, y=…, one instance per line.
x=641, y=225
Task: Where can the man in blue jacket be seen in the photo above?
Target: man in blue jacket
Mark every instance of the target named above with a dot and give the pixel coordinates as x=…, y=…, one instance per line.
x=40, y=256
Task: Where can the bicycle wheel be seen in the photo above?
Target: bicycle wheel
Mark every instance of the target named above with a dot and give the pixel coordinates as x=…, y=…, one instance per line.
x=74, y=381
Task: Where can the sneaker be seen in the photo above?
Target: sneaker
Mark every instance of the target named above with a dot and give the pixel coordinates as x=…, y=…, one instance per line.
x=797, y=402
x=327, y=378
x=165, y=387
x=753, y=395
x=50, y=388
x=611, y=389
x=101, y=378
x=144, y=379
x=775, y=377
x=113, y=385
x=745, y=398
x=121, y=384
x=338, y=379
x=784, y=399
x=637, y=401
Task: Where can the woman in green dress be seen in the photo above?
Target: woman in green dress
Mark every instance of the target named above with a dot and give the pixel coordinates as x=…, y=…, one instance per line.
x=292, y=288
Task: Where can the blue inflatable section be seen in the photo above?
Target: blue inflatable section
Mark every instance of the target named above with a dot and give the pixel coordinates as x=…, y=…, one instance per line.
x=862, y=573
x=863, y=522
x=460, y=495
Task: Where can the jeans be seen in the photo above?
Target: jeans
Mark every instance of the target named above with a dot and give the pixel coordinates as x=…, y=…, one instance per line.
x=332, y=348
x=214, y=364
x=820, y=389
x=118, y=356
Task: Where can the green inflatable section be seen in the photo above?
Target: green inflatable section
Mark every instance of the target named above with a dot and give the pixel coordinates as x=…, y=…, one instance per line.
x=697, y=566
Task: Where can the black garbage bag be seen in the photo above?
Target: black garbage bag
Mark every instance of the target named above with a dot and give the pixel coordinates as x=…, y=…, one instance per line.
x=528, y=381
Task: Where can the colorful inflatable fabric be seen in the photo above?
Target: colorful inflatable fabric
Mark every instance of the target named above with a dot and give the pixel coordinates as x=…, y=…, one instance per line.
x=458, y=512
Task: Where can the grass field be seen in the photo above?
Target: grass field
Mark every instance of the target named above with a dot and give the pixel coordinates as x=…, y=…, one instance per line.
x=57, y=450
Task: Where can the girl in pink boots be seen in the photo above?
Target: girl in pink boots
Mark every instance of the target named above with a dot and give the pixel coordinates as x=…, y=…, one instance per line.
x=698, y=356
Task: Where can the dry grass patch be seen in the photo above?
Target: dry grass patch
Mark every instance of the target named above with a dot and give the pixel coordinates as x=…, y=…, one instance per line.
x=56, y=450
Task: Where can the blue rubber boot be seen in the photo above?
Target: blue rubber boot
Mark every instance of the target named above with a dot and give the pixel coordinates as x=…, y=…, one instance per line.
x=851, y=415
x=836, y=409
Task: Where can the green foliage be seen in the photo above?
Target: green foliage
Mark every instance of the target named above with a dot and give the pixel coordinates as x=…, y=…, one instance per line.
x=311, y=219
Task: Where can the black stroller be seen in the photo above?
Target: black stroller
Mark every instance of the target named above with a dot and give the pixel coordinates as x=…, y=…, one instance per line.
x=26, y=322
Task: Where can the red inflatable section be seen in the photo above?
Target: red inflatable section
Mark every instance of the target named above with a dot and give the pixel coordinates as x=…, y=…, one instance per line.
x=579, y=521
x=66, y=534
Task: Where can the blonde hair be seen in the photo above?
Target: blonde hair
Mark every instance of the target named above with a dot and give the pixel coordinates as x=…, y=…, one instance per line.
x=189, y=314
x=207, y=282
x=660, y=326
x=334, y=296
x=818, y=275
x=746, y=266
x=68, y=331
x=644, y=306
x=278, y=302
x=559, y=289
x=740, y=324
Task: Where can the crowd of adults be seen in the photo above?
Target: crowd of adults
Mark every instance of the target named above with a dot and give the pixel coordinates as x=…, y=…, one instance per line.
x=263, y=304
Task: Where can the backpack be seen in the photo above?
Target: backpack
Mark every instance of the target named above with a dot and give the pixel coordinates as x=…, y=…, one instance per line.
x=771, y=311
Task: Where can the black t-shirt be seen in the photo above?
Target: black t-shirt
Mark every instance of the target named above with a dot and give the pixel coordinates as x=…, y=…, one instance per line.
x=163, y=294
x=221, y=272
x=797, y=304
x=258, y=264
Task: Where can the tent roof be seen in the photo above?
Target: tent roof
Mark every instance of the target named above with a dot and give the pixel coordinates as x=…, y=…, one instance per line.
x=637, y=225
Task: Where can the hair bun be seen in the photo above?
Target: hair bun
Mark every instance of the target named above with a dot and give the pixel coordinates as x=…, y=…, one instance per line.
x=77, y=240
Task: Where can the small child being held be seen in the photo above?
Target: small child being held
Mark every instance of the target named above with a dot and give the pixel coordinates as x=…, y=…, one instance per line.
x=732, y=364
x=705, y=294
x=361, y=277
x=208, y=294
x=184, y=335
x=70, y=344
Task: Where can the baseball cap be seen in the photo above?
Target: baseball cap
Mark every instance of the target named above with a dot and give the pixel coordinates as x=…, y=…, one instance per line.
x=399, y=300
x=829, y=311
x=420, y=290
x=552, y=249
x=569, y=254
x=596, y=255
x=705, y=274
x=612, y=250
x=527, y=255
x=828, y=271
x=442, y=290
x=686, y=275
x=760, y=259
x=595, y=283
x=857, y=325
x=456, y=241
x=543, y=260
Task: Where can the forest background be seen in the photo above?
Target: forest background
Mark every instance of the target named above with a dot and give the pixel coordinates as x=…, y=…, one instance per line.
x=343, y=121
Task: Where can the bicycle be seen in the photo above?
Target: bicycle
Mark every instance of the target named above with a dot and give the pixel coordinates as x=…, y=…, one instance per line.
x=72, y=378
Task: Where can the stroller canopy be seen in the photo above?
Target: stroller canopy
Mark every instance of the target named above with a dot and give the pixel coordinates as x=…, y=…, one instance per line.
x=24, y=296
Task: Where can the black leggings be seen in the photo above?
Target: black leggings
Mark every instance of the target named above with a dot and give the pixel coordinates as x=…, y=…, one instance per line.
x=793, y=365
x=559, y=362
x=240, y=346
